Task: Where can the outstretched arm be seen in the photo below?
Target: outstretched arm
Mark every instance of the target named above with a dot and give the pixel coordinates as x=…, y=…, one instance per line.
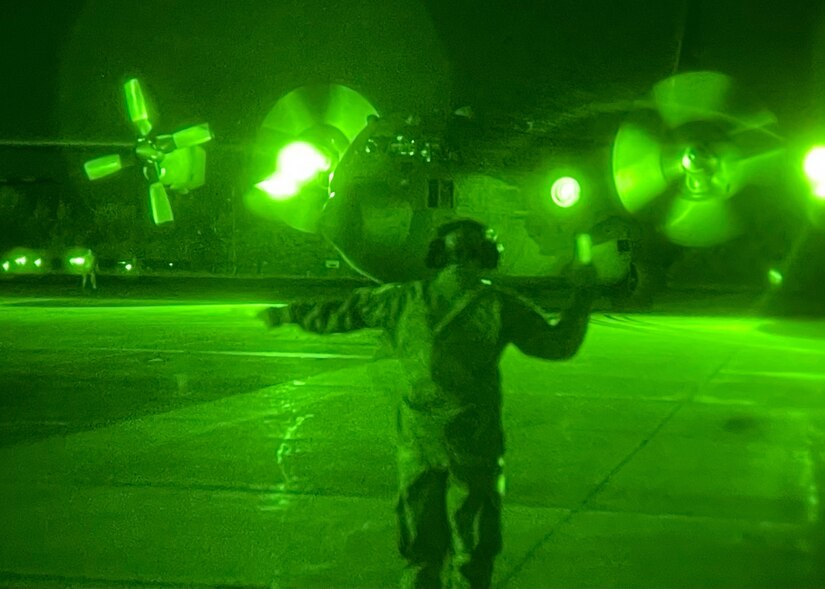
x=535, y=335
x=365, y=307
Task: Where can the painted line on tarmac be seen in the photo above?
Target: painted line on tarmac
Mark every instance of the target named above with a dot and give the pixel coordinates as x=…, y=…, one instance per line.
x=308, y=355
x=775, y=374
x=13, y=301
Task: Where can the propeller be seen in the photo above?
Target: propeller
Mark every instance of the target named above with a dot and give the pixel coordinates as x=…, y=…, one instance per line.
x=308, y=111
x=318, y=123
x=686, y=152
x=174, y=160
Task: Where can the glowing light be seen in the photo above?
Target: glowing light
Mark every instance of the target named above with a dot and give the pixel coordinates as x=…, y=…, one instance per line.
x=38, y=262
x=21, y=261
x=815, y=170
x=278, y=187
x=584, y=248
x=297, y=163
x=565, y=192
x=301, y=161
x=775, y=277
x=6, y=266
x=128, y=267
x=77, y=261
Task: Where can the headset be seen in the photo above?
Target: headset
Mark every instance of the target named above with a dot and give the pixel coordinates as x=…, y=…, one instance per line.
x=461, y=241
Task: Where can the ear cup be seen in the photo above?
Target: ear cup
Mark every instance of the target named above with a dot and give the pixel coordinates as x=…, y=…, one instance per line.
x=436, y=254
x=489, y=254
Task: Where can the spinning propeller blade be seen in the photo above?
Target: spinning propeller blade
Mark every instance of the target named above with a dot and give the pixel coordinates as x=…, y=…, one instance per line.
x=637, y=167
x=320, y=106
x=686, y=153
x=192, y=136
x=103, y=166
x=159, y=201
x=707, y=96
x=701, y=223
x=136, y=105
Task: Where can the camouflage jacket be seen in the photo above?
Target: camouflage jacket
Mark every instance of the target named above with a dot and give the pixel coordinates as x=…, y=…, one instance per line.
x=449, y=348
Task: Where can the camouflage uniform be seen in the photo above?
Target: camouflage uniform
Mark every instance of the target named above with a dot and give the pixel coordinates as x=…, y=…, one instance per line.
x=450, y=438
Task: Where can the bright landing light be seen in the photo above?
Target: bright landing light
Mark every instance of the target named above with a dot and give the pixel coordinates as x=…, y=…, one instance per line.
x=565, y=192
x=815, y=170
x=297, y=163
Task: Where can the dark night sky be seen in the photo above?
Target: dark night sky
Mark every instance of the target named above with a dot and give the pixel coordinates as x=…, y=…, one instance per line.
x=62, y=62
x=504, y=55
x=32, y=35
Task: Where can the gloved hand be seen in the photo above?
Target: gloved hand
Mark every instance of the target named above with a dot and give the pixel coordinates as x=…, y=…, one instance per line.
x=275, y=316
x=582, y=276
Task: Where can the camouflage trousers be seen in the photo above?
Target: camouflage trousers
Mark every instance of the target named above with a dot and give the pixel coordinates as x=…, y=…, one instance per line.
x=450, y=523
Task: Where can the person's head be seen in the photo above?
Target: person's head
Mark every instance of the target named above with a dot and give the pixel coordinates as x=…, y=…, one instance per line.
x=463, y=242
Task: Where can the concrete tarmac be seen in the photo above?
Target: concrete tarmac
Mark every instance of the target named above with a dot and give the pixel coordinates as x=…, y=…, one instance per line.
x=149, y=444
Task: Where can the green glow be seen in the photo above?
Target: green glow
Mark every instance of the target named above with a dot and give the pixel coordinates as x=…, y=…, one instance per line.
x=815, y=170
x=21, y=261
x=77, y=260
x=136, y=105
x=6, y=266
x=38, y=262
x=775, y=277
x=128, y=267
x=102, y=166
x=584, y=248
x=298, y=163
x=278, y=187
x=301, y=161
x=565, y=192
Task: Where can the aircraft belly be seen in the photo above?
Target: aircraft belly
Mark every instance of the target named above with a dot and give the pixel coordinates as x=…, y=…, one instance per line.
x=387, y=226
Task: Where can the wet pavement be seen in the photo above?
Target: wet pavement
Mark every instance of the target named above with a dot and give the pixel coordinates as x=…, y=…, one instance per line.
x=185, y=446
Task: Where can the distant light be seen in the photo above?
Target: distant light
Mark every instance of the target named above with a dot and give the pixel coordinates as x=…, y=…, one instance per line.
x=6, y=266
x=38, y=262
x=301, y=161
x=815, y=163
x=486, y=281
x=21, y=261
x=278, y=186
x=565, y=192
x=298, y=162
x=584, y=248
x=77, y=261
x=775, y=277
x=332, y=194
x=128, y=267
x=815, y=170
x=170, y=264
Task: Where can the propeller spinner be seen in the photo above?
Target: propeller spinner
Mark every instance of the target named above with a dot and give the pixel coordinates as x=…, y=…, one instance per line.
x=682, y=157
x=174, y=160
